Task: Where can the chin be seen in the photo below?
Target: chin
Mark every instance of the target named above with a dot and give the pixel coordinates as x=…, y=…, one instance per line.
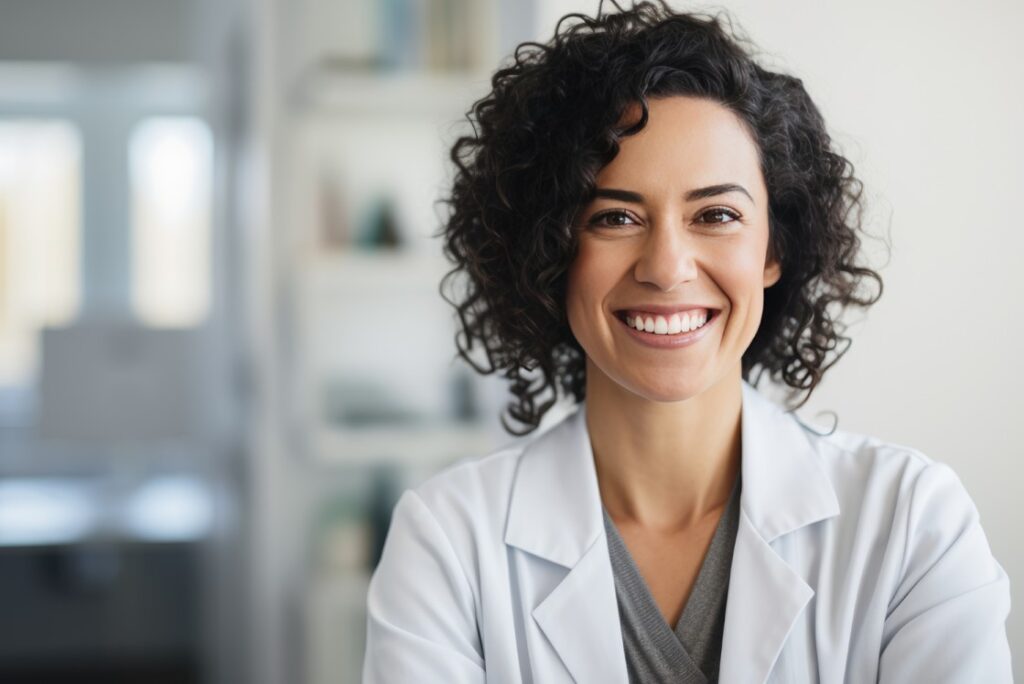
x=667, y=392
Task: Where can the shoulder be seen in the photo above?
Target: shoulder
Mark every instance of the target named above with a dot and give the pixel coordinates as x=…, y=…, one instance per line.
x=435, y=538
x=870, y=469
x=863, y=472
x=469, y=500
x=909, y=539
x=897, y=498
x=481, y=486
x=475, y=488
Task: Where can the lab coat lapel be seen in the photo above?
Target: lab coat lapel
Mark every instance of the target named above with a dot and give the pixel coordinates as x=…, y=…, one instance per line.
x=765, y=599
x=581, y=620
x=555, y=515
x=784, y=488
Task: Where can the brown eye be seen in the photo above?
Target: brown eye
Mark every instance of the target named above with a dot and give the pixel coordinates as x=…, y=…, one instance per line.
x=611, y=218
x=719, y=215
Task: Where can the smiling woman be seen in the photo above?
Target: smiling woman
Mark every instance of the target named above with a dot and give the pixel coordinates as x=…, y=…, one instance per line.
x=647, y=221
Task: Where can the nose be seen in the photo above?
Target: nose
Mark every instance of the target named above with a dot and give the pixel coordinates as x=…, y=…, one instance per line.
x=668, y=257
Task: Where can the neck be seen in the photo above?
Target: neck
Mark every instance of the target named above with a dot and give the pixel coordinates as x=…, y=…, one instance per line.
x=664, y=465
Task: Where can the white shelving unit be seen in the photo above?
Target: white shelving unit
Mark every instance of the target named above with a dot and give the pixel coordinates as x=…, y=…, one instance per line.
x=369, y=324
x=424, y=95
x=360, y=357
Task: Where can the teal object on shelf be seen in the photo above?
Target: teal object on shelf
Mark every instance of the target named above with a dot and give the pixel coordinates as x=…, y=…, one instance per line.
x=380, y=230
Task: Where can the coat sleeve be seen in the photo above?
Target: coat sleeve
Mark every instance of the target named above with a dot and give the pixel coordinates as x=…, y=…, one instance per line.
x=946, y=621
x=421, y=616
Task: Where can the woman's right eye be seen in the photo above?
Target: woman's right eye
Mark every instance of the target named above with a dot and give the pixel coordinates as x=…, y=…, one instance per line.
x=613, y=217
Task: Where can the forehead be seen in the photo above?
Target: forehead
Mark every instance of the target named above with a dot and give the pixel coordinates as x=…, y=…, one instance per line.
x=687, y=142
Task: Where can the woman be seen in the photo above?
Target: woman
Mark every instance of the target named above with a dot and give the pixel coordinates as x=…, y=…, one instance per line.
x=644, y=217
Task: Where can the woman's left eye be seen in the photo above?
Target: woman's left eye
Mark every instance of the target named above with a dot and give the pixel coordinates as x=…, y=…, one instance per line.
x=719, y=215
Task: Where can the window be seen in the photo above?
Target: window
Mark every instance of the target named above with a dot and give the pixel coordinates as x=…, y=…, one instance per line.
x=40, y=231
x=171, y=184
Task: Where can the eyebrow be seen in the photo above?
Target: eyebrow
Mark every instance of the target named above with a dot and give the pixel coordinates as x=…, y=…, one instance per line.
x=695, y=194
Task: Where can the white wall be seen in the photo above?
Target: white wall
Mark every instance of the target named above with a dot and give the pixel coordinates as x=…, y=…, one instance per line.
x=927, y=100
x=99, y=31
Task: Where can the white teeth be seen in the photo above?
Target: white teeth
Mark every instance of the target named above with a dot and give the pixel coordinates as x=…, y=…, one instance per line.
x=673, y=325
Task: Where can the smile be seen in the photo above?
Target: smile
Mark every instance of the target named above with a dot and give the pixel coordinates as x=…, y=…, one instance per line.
x=673, y=324
x=668, y=331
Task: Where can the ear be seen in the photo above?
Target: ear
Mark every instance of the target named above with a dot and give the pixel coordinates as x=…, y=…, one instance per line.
x=772, y=269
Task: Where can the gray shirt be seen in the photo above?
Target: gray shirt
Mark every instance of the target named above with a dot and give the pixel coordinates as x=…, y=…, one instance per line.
x=654, y=652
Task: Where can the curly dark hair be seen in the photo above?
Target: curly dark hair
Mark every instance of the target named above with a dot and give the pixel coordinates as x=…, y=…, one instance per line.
x=549, y=125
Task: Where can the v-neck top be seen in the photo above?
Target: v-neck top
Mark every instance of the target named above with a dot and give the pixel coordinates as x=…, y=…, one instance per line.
x=654, y=652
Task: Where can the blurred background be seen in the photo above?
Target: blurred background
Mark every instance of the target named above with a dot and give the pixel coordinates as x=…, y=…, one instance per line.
x=222, y=350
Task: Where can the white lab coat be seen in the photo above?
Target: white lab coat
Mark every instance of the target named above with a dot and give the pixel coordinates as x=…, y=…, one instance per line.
x=855, y=561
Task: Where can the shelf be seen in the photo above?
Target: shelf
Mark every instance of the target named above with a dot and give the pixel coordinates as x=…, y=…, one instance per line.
x=389, y=94
x=357, y=272
x=432, y=445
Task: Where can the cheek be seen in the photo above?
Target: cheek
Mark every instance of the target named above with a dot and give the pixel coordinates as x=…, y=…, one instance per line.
x=577, y=291
x=742, y=279
x=591, y=277
x=739, y=265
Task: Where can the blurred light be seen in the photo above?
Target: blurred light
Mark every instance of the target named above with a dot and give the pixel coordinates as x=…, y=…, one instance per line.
x=40, y=234
x=37, y=511
x=169, y=508
x=172, y=180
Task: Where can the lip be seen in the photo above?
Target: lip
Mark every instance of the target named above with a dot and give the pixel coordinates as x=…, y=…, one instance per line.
x=672, y=341
x=664, y=310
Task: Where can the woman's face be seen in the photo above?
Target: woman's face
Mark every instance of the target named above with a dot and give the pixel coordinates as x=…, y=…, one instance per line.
x=677, y=231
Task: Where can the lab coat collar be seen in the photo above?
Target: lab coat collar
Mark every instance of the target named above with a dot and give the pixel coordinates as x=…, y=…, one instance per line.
x=555, y=513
